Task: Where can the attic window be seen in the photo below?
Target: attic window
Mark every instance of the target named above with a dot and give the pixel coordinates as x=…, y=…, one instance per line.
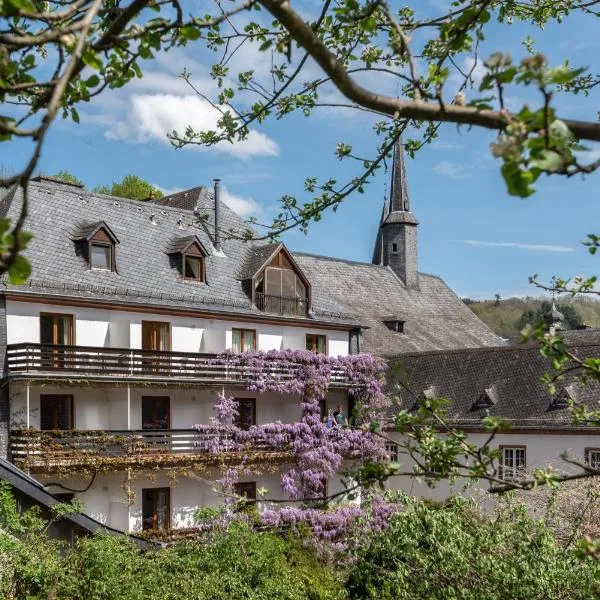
x=188, y=256
x=193, y=266
x=95, y=242
x=280, y=287
x=394, y=325
x=101, y=256
x=563, y=399
x=486, y=399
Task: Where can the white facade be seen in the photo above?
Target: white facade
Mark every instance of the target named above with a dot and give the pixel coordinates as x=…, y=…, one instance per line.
x=112, y=406
x=123, y=329
x=543, y=450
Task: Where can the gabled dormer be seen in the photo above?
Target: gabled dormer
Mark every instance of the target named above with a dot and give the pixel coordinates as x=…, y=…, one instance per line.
x=96, y=242
x=486, y=399
x=564, y=398
x=188, y=256
x=275, y=282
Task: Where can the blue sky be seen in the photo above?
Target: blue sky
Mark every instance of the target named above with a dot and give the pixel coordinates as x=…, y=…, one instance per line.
x=471, y=233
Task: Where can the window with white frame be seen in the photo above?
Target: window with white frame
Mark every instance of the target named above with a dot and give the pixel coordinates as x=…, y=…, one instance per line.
x=592, y=457
x=513, y=462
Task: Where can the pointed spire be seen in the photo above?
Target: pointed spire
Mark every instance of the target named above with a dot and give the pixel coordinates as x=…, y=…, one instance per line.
x=399, y=199
x=378, y=250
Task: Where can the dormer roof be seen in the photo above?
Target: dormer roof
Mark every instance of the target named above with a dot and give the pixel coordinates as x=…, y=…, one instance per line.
x=86, y=231
x=180, y=245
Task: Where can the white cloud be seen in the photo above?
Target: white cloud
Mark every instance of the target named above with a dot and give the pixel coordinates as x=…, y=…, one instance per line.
x=477, y=67
x=152, y=116
x=537, y=247
x=242, y=205
x=448, y=169
x=167, y=191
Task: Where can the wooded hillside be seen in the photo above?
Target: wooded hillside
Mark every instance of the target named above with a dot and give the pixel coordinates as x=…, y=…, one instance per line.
x=503, y=316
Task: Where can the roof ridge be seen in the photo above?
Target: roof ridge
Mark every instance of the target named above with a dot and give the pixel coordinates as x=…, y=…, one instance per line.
x=483, y=349
x=334, y=259
x=128, y=201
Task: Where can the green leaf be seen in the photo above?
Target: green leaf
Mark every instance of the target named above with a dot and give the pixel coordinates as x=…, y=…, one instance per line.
x=92, y=81
x=518, y=181
x=91, y=59
x=19, y=271
x=190, y=32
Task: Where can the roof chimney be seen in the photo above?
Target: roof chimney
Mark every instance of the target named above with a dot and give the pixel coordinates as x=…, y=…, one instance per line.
x=217, y=238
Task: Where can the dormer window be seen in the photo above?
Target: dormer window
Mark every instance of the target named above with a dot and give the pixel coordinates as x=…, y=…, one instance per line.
x=96, y=243
x=188, y=255
x=193, y=266
x=394, y=324
x=101, y=256
x=278, y=286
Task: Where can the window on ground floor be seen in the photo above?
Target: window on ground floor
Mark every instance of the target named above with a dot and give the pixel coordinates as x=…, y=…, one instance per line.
x=513, y=462
x=246, y=490
x=592, y=457
x=156, y=508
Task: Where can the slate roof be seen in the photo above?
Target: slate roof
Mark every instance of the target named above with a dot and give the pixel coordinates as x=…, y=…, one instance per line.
x=255, y=259
x=344, y=293
x=509, y=376
x=435, y=318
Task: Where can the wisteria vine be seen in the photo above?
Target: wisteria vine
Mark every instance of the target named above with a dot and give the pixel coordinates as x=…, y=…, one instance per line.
x=316, y=451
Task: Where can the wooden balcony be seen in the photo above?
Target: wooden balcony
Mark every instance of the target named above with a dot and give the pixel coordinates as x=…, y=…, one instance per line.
x=46, y=361
x=279, y=305
x=52, y=451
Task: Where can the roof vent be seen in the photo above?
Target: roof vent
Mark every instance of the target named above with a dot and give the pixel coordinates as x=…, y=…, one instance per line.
x=486, y=399
x=394, y=324
x=180, y=224
x=153, y=220
x=564, y=398
x=430, y=392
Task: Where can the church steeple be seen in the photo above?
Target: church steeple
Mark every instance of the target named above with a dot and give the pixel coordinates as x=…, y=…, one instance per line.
x=399, y=199
x=396, y=244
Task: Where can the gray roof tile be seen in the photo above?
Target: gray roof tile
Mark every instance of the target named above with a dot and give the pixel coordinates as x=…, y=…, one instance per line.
x=343, y=291
x=510, y=376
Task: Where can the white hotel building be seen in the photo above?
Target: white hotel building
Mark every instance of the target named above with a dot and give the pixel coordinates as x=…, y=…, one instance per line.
x=109, y=345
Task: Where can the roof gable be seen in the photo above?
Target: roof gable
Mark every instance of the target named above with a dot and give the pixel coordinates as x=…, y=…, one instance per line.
x=185, y=244
x=87, y=231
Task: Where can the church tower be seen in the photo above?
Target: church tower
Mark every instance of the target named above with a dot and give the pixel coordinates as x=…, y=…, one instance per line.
x=396, y=244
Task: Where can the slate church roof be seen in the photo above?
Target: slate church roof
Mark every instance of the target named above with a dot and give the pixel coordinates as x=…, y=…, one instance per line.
x=345, y=294
x=503, y=382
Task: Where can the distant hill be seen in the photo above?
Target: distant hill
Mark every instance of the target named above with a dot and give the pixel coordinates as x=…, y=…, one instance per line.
x=502, y=316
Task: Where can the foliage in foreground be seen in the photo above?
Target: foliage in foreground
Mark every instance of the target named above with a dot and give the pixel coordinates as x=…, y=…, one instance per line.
x=428, y=551
x=453, y=552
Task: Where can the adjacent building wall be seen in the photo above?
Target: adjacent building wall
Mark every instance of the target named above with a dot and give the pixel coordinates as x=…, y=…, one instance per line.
x=543, y=450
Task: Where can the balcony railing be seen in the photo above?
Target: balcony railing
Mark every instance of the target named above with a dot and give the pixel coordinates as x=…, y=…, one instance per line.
x=278, y=305
x=89, y=361
x=45, y=450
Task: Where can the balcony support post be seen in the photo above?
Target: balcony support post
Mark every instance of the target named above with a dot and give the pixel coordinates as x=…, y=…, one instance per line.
x=128, y=408
x=27, y=405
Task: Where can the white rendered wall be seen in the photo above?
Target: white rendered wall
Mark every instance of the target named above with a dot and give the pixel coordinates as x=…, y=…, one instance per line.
x=106, y=328
x=106, y=408
x=542, y=450
x=106, y=499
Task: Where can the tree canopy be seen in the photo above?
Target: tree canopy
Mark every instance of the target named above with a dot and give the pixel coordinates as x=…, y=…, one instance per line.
x=131, y=186
x=68, y=177
x=543, y=314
